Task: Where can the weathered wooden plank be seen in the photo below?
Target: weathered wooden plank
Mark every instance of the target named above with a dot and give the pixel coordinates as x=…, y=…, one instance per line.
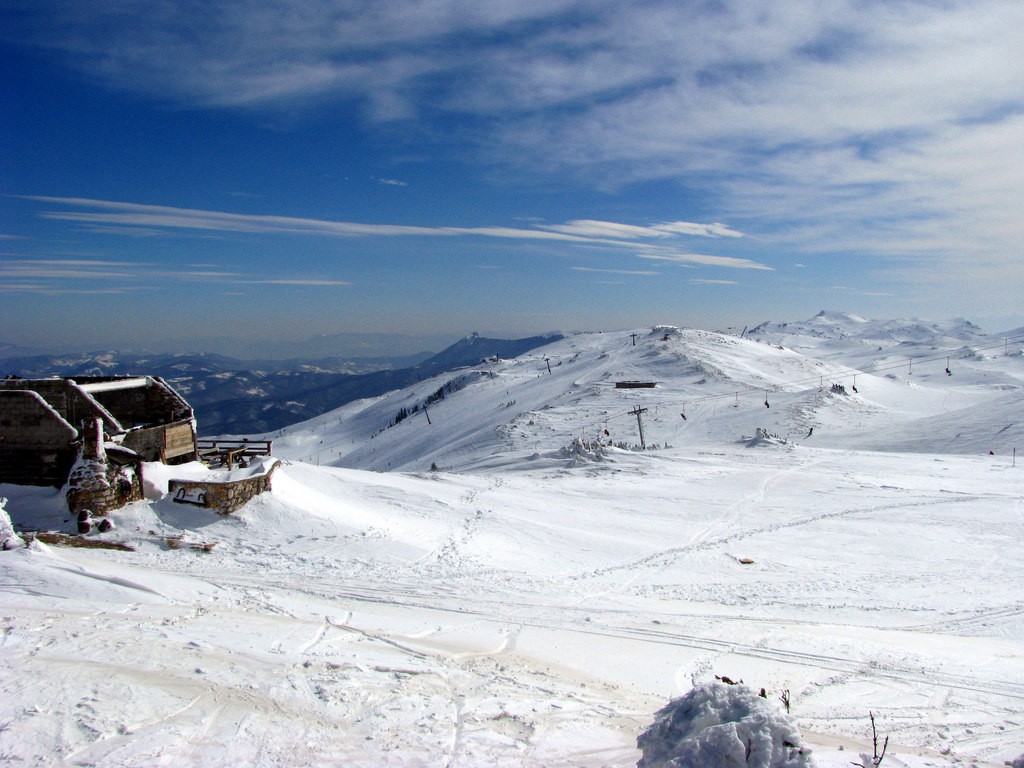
x=179, y=440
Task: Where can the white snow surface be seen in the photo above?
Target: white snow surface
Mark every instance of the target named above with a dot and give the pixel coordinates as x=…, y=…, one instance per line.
x=543, y=592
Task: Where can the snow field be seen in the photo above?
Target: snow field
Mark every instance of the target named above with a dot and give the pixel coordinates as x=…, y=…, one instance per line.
x=523, y=606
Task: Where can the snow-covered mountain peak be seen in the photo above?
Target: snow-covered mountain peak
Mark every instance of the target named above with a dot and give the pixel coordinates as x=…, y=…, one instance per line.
x=698, y=387
x=827, y=317
x=825, y=329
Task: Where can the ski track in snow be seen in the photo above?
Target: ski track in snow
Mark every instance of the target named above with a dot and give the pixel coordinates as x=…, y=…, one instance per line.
x=1002, y=689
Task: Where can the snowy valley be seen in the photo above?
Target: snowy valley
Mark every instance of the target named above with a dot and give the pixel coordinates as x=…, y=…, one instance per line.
x=520, y=561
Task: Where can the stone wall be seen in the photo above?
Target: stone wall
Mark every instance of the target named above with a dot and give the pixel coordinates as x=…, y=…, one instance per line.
x=36, y=444
x=226, y=495
x=64, y=396
x=154, y=403
x=98, y=484
x=40, y=420
x=102, y=488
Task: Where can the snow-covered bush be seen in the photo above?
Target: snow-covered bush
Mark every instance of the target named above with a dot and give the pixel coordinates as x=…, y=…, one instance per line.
x=580, y=450
x=722, y=726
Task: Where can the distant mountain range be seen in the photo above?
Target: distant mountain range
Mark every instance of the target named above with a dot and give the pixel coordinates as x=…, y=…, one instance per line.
x=233, y=396
x=835, y=326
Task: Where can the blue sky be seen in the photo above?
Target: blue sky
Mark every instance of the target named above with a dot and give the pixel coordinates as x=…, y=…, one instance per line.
x=172, y=171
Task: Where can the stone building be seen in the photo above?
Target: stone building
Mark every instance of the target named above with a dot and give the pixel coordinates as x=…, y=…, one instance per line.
x=100, y=427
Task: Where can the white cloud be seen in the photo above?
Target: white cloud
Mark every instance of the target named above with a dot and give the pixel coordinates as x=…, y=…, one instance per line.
x=582, y=233
x=74, y=269
x=56, y=276
x=590, y=228
x=317, y=283
x=635, y=272
x=887, y=129
x=699, y=230
x=701, y=259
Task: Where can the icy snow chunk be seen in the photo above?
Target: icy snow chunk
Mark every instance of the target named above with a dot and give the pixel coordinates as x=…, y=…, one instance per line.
x=722, y=726
x=8, y=538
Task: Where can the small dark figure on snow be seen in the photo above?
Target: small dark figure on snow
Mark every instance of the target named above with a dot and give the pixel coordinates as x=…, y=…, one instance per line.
x=810, y=431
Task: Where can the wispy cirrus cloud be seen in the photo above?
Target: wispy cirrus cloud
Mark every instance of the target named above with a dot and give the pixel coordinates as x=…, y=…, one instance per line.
x=589, y=233
x=67, y=276
x=298, y=282
x=635, y=272
x=699, y=259
x=590, y=228
x=52, y=290
x=75, y=269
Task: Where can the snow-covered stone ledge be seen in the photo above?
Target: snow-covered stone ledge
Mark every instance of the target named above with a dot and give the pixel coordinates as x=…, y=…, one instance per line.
x=225, y=492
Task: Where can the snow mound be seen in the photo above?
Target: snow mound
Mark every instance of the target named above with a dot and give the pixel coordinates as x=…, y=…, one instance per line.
x=666, y=331
x=721, y=726
x=8, y=538
x=581, y=451
x=763, y=437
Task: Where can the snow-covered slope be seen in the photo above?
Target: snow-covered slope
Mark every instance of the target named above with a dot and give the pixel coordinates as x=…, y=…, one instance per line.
x=535, y=405
x=542, y=594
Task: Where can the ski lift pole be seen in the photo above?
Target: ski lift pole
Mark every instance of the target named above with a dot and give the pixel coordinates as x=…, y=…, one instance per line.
x=637, y=410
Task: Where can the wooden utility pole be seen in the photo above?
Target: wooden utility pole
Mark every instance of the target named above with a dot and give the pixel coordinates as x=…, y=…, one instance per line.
x=637, y=410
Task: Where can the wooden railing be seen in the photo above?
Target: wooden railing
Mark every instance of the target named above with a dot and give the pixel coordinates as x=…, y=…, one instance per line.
x=226, y=453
